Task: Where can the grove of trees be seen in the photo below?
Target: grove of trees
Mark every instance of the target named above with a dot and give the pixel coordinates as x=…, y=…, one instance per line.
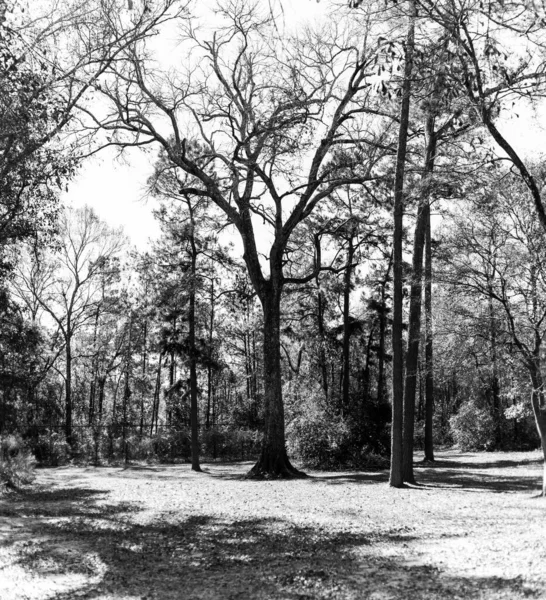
x=351, y=259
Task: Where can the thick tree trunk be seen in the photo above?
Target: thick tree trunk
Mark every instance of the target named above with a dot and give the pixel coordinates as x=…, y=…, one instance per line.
x=273, y=462
x=396, y=478
x=429, y=359
x=538, y=402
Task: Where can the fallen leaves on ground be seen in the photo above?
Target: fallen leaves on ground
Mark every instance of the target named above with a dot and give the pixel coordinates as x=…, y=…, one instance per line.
x=471, y=530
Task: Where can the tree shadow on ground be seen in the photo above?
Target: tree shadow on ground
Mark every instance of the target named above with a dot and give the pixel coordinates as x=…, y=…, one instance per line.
x=453, y=473
x=211, y=558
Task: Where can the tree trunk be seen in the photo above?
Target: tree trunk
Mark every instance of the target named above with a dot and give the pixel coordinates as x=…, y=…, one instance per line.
x=273, y=462
x=209, y=366
x=414, y=337
x=538, y=402
x=382, y=335
x=416, y=293
x=429, y=364
x=322, y=337
x=68, y=388
x=396, y=478
x=346, y=375
x=194, y=408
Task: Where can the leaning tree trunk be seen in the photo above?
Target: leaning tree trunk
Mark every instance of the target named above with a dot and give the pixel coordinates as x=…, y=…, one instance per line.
x=538, y=402
x=273, y=461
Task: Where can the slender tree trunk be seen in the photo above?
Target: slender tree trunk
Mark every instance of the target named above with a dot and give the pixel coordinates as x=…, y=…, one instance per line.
x=382, y=336
x=209, y=366
x=414, y=337
x=429, y=364
x=346, y=375
x=68, y=388
x=495, y=387
x=396, y=478
x=273, y=462
x=127, y=387
x=538, y=402
x=194, y=408
x=416, y=294
x=322, y=337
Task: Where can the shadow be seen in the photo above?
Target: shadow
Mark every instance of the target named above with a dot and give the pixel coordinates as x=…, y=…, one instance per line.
x=206, y=557
x=339, y=479
x=498, y=464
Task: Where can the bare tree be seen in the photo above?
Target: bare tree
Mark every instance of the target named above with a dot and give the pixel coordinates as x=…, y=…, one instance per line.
x=68, y=285
x=272, y=119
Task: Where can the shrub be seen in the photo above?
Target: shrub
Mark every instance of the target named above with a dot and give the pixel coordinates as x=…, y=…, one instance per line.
x=473, y=428
x=16, y=462
x=230, y=443
x=319, y=442
x=50, y=448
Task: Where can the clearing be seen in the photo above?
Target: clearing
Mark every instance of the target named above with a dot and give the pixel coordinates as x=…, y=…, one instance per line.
x=474, y=528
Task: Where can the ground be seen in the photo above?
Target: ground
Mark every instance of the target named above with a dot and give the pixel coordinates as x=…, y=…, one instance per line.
x=473, y=528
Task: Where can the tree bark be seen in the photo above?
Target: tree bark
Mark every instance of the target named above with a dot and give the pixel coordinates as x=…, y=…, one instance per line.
x=429, y=357
x=68, y=387
x=273, y=462
x=416, y=293
x=382, y=335
x=194, y=408
x=538, y=402
x=322, y=337
x=396, y=478
x=346, y=328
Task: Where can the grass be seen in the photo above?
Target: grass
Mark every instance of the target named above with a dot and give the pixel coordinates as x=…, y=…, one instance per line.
x=472, y=529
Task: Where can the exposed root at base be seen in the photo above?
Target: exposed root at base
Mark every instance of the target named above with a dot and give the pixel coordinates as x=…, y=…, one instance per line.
x=277, y=469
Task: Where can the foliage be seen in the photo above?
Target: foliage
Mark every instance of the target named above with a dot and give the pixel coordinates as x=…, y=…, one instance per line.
x=16, y=462
x=473, y=428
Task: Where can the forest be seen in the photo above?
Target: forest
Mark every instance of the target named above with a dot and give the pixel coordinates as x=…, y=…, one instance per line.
x=351, y=266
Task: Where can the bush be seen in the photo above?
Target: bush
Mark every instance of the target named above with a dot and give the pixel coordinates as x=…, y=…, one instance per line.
x=473, y=428
x=231, y=443
x=50, y=448
x=16, y=462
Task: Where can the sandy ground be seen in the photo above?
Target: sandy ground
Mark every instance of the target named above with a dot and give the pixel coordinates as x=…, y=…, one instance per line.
x=473, y=528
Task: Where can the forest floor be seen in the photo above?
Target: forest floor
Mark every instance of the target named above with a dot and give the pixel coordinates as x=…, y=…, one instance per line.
x=473, y=528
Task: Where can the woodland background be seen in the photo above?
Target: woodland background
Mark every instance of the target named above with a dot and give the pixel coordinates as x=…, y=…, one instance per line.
x=285, y=302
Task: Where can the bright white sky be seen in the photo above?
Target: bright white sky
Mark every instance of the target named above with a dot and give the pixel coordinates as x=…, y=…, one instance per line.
x=116, y=189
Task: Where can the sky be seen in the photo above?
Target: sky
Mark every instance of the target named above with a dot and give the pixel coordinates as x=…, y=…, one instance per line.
x=116, y=189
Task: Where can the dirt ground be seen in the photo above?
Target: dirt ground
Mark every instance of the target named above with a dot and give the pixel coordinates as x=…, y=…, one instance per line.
x=473, y=528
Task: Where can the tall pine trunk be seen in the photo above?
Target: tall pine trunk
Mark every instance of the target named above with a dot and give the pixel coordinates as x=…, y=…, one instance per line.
x=194, y=408
x=68, y=387
x=396, y=478
x=416, y=293
x=429, y=357
x=346, y=375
